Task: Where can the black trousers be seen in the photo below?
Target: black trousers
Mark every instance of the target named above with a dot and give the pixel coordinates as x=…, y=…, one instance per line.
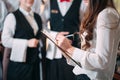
x=82, y=77
x=23, y=71
x=58, y=69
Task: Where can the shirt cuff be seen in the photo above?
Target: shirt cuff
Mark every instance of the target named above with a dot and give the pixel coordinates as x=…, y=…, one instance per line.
x=78, y=56
x=70, y=62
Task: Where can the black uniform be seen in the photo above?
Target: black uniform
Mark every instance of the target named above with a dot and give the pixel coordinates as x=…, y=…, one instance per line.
x=28, y=70
x=58, y=69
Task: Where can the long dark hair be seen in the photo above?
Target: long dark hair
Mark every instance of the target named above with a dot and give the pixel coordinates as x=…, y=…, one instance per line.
x=90, y=17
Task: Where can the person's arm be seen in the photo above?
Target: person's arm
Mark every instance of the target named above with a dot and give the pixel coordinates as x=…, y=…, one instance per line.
x=17, y=45
x=9, y=31
x=99, y=59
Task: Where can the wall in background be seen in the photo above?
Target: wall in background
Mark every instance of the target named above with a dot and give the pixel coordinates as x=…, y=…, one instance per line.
x=117, y=4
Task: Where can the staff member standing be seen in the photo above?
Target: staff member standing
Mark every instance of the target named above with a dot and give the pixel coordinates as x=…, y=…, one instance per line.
x=21, y=33
x=63, y=16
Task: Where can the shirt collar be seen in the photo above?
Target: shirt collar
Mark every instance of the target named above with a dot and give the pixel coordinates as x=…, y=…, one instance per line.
x=25, y=12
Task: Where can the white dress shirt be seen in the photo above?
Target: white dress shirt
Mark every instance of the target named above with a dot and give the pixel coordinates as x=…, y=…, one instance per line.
x=18, y=46
x=52, y=50
x=3, y=13
x=98, y=62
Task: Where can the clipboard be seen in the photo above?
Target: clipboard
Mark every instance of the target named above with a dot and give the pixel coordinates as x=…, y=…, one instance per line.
x=47, y=35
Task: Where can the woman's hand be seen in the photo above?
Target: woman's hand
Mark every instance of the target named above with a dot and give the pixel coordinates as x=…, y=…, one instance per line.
x=33, y=43
x=63, y=33
x=64, y=43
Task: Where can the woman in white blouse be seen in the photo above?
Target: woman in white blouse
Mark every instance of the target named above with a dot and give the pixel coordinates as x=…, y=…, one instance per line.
x=100, y=35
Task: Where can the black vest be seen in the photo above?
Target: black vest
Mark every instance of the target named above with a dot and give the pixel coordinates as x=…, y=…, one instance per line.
x=70, y=22
x=24, y=31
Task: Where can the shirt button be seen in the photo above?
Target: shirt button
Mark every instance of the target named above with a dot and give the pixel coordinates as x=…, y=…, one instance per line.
x=62, y=20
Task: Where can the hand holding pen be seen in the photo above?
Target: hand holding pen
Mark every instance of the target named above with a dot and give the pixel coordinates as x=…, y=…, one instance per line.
x=64, y=34
x=64, y=42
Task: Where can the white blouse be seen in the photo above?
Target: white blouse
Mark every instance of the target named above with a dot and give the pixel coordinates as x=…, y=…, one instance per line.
x=99, y=61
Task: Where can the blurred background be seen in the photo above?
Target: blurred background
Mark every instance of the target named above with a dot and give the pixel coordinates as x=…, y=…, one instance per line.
x=117, y=71
x=117, y=4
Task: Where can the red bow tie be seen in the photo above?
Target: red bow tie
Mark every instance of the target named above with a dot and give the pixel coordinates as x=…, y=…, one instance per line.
x=64, y=0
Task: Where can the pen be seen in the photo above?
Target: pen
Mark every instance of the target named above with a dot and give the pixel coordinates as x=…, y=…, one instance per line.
x=70, y=35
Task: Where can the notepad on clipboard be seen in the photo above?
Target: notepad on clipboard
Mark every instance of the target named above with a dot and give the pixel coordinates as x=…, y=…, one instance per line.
x=47, y=35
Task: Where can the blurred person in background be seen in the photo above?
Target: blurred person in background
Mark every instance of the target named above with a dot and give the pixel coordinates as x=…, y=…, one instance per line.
x=63, y=15
x=21, y=33
x=11, y=6
x=3, y=13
